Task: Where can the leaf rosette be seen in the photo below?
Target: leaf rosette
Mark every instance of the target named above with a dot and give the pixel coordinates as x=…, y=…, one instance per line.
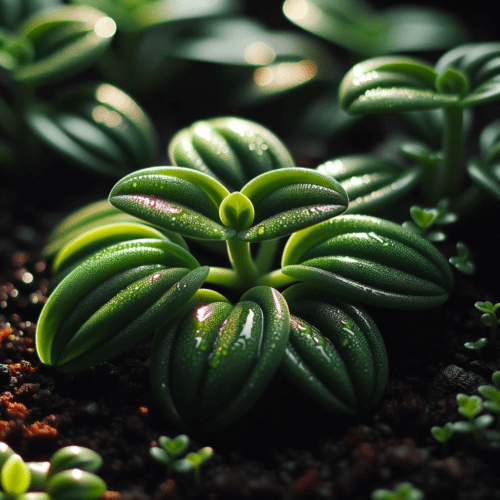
x=370, y=181
x=229, y=149
x=113, y=300
x=208, y=369
x=335, y=353
x=371, y=260
x=177, y=199
x=287, y=200
x=98, y=127
x=66, y=40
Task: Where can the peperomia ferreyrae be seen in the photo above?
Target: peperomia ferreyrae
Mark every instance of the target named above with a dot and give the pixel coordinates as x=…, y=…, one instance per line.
x=211, y=359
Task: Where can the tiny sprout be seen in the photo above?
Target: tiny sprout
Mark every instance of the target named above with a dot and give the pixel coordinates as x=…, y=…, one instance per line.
x=172, y=448
x=461, y=260
x=477, y=345
x=442, y=434
x=489, y=318
x=426, y=218
x=404, y=491
x=15, y=476
x=492, y=396
x=469, y=407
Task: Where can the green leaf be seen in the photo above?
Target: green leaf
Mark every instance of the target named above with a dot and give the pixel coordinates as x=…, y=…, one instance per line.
x=371, y=260
x=74, y=457
x=495, y=378
x=391, y=84
x=461, y=260
x=97, y=127
x=66, y=40
x=231, y=150
x=335, y=353
x=207, y=370
x=15, y=476
x=5, y=452
x=489, y=143
x=178, y=199
x=176, y=446
x=451, y=81
x=487, y=177
x=424, y=217
x=287, y=200
x=38, y=471
x=369, y=181
x=484, y=421
x=489, y=392
x=442, y=434
x=75, y=484
x=183, y=465
x=237, y=211
x=477, y=345
x=102, y=283
x=469, y=406
x=160, y=455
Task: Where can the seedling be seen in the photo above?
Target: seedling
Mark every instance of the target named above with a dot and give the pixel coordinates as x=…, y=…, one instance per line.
x=443, y=434
x=477, y=346
x=404, y=491
x=470, y=407
x=170, y=449
x=461, y=260
x=492, y=395
x=489, y=318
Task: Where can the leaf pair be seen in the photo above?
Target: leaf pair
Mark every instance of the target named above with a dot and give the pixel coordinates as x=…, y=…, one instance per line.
x=193, y=204
x=466, y=76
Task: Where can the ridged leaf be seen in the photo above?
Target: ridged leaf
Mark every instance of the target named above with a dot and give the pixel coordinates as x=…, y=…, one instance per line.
x=335, y=354
x=66, y=40
x=229, y=149
x=371, y=260
x=177, y=199
x=287, y=200
x=370, y=181
x=114, y=299
x=211, y=367
x=99, y=128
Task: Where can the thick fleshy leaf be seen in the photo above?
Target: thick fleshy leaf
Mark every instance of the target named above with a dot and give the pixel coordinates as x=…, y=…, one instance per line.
x=335, y=353
x=74, y=457
x=178, y=199
x=489, y=142
x=388, y=84
x=287, y=200
x=370, y=181
x=480, y=63
x=75, y=484
x=211, y=367
x=229, y=149
x=14, y=51
x=38, y=471
x=99, y=128
x=95, y=293
x=143, y=14
x=5, y=452
x=15, y=476
x=93, y=240
x=354, y=25
x=66, y=40
x=371, y=260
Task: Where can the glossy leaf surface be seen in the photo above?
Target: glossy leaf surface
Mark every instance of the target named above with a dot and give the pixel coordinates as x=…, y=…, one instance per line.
x=74, y=457
x=75, y=484
x=287, y=200
x=113, y=300
x=335, y=354
x=211, y=367
x=177, y=199
x=66, y=40
x=99, y=128
x=229, y=149
x=371, y=260
x=394, y=83
x=370, y=181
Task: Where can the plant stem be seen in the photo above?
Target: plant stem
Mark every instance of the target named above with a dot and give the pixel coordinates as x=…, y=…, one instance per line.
x=222, y=276
x=276, y=279
x=241, y=260
x=450, y=171
x=265, y=255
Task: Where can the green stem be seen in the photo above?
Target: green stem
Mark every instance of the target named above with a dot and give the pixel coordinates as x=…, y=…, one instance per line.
x=241, y=260
x=222, y=276
x=450, y=171
x=276, y=279
x=265, y=255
